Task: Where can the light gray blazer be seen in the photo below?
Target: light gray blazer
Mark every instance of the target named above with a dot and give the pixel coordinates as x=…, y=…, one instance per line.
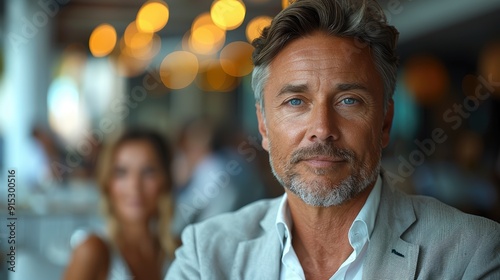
x=414, y=237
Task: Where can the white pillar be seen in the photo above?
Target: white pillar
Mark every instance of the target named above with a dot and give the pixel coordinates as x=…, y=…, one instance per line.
x=26, y=41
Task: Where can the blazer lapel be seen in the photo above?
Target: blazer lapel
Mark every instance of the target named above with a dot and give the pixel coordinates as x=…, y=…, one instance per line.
x=389, y=256
x=260, y=258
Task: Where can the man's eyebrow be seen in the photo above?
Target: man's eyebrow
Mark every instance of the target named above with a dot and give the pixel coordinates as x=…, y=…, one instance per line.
x=301, y=88
x=350, y=86
x=293, y=89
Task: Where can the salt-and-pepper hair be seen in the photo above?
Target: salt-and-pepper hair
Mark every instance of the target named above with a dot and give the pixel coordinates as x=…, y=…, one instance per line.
x=362, y=20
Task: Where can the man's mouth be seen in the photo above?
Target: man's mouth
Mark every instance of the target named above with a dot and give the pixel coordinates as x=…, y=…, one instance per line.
x=323, y=161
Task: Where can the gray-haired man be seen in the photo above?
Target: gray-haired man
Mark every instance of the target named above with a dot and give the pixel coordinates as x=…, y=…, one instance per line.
x=324, y=77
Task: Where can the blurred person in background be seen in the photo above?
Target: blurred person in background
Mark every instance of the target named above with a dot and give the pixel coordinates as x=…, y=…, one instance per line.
x=211, y=176
x=135, y=185
x=43, y=152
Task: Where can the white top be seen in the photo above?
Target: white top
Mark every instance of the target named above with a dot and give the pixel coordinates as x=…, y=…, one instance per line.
x=118, y=268
x=359, y=237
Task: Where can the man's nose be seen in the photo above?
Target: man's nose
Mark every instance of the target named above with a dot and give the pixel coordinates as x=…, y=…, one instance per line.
x=323, y=123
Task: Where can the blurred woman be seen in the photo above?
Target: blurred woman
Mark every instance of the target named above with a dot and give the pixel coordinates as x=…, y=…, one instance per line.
x=135, y=184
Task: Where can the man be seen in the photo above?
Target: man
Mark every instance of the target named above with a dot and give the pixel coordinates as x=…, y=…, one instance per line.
x=324, y=77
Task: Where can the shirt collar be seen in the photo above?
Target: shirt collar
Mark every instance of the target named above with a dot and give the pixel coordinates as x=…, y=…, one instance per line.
x=365, y=220
x=283, y=221
x=369, y=211
x=362, y=227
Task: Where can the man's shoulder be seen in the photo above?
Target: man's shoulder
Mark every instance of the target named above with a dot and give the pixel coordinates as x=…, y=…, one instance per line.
x=437, y=241
x=436, y=222
x=441, y=215
x=245, y=221
x=470, y=243
x=212, y=248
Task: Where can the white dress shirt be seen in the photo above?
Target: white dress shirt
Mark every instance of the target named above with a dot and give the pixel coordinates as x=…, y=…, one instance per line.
x=359, y=237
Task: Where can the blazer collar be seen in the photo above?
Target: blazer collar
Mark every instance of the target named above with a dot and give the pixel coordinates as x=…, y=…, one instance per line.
x=260, y=258
x=389, y=256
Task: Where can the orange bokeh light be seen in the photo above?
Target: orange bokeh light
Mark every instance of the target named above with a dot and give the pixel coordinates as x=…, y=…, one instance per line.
x=152, y=16
x=179, y=69
x=255, y=27
x=228, y=14
x=236, y=59
x=426, y=78
x=205, y=37
x=102, y=40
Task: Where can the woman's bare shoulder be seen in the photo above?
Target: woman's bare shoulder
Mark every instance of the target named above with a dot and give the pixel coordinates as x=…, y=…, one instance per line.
x=90, y=259
x=93, y=246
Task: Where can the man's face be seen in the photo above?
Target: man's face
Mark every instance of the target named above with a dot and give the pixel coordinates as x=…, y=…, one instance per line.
x=324, y=124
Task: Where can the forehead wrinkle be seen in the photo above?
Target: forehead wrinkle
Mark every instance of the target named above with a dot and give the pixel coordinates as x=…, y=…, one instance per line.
x=326, y=64
x=318, y=62
x=342, y=53
x=313, y=64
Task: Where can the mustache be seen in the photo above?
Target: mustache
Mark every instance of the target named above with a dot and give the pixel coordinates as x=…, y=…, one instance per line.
x=322, y=149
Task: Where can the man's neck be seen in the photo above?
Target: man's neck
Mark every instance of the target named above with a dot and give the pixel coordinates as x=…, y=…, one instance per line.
x=320, y=234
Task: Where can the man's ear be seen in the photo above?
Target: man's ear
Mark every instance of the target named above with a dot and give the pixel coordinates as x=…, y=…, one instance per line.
x=386, y=127
x=262, y=127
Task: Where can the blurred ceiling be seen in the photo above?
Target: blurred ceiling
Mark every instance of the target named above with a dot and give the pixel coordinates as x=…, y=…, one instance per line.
x=450, y=28
x=436, y=26
x=455, y=30
x=78, y=18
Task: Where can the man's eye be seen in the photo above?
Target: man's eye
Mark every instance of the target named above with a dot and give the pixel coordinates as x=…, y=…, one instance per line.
x=349, y=101
x=295, y=102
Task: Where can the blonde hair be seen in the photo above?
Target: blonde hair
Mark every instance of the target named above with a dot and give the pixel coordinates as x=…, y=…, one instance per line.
x=165, y=203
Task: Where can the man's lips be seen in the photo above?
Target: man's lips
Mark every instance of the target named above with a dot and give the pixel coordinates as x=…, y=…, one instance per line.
x=323, y=161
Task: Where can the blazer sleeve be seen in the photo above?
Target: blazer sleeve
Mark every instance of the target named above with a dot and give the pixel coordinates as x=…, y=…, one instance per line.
x=186, y=264
x=485, y=263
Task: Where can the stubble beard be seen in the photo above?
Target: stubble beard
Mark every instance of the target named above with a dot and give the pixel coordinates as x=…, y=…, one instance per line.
x=326, y=193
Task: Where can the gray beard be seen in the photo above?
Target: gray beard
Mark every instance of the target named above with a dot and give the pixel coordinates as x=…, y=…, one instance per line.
x=316, y=193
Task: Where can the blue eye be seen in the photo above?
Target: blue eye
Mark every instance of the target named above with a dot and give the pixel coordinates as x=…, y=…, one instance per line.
x=349, y=101
x=295, y=102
